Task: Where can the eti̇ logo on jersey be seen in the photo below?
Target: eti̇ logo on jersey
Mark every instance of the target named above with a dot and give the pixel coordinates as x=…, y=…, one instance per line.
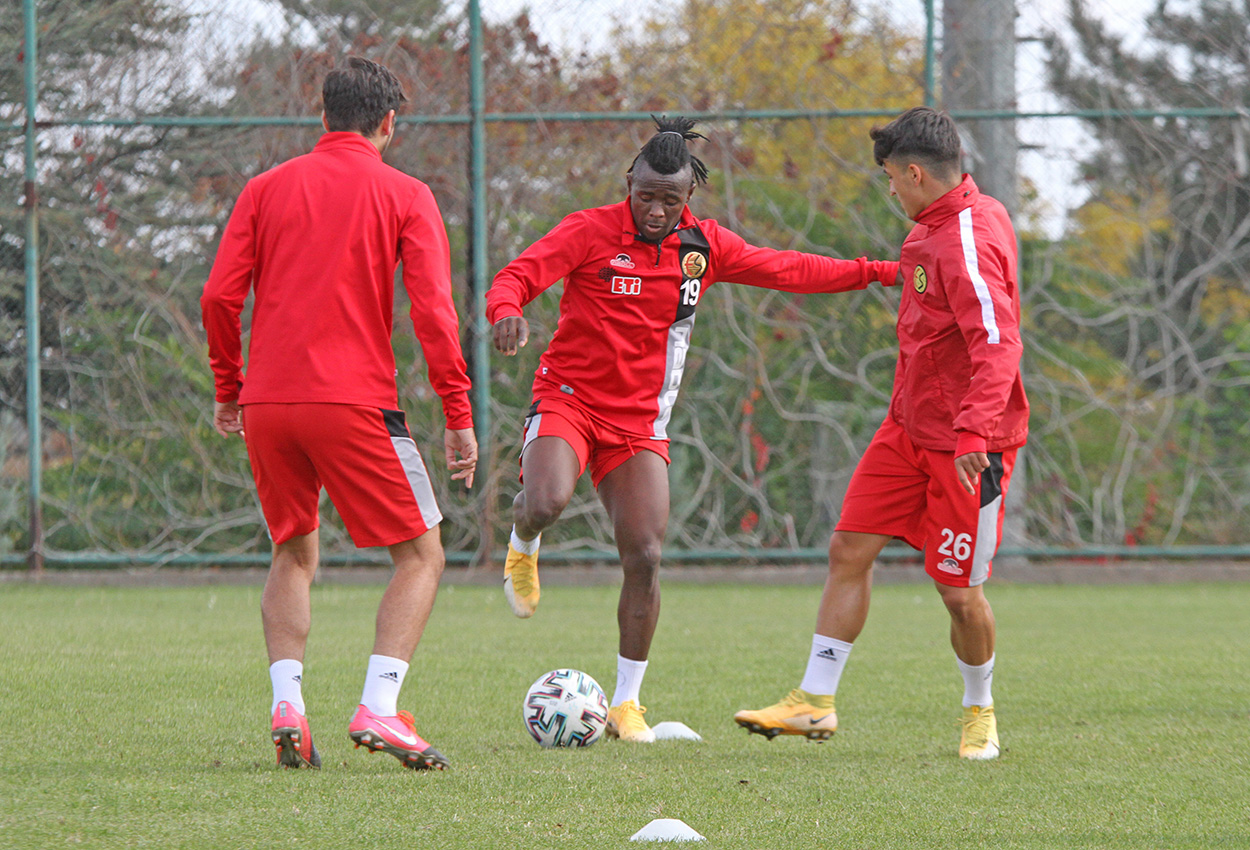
x=626, y=285
x=693, y=264
x=621, y=261
x=920, y=279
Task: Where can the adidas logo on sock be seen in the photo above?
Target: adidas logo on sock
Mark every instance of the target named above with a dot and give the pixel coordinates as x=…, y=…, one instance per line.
x=297, y=679
x=392, y=676
x=828, y=654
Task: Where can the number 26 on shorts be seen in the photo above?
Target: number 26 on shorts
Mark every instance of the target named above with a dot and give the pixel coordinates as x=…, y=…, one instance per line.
x=957, y=546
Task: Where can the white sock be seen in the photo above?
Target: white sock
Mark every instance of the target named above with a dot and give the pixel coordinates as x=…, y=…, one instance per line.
x=629, y=675
x=824, y=665
x=383, y=680
x=287, y=677
x=525, y=547
x=977, y=682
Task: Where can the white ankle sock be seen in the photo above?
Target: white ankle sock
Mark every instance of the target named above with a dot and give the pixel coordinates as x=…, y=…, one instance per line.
x=525, y=547
x=629, y=675
x=977, y=682
x=287, y=676
x=824, y=665
x=383, y=680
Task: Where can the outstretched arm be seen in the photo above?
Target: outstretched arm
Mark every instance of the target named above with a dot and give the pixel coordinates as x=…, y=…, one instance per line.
x=796, y=271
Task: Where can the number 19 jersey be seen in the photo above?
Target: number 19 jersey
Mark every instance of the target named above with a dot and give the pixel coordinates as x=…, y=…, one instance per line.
x=628, y=308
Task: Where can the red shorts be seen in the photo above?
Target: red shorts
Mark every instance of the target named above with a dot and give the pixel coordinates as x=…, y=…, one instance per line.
x=595, y=441
x=363, y=456
x=905, y=491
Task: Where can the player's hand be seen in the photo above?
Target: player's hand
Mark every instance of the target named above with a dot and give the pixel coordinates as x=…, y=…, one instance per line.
x=227, y=418
x=461, y=442
x=968, y=469
x=511, y=333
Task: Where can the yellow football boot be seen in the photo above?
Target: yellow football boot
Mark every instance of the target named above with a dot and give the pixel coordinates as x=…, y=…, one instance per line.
x=520, y=582
x=625, y=722
x=980, y=737
x=800, y=713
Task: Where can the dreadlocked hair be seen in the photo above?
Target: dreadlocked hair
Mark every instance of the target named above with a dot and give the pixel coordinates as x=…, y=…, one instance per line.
x=666, y=152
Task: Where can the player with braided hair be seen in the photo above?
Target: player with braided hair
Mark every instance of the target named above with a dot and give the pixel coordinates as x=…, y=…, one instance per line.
x=667, y=152
x=634, y=273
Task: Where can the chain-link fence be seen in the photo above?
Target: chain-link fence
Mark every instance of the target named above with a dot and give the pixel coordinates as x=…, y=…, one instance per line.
x=1133, y=211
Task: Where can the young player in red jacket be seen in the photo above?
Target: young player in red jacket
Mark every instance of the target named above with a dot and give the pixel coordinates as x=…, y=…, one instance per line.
x=634, y=274
x=318, y=239
x=937, y=470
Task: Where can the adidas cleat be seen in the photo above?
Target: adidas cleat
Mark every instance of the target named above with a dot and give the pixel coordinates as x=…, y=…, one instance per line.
x=980, y=736
x=292, y=738
x=800, y=713
x=397, y=736
x=625, y=722
x=520, y=582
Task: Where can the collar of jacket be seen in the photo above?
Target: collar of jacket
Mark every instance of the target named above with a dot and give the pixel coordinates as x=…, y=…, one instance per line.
x=952, y=203
x=345, y=140
x=629, y=230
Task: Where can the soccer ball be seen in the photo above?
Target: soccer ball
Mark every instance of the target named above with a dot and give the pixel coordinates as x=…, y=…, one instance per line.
x=565, y=708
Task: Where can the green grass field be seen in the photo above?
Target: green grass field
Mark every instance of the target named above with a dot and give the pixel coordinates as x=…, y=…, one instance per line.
x=139, y=718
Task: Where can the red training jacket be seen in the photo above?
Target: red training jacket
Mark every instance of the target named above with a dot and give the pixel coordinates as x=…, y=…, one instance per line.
x=319, y=238
x=628, y=308
x=957, y=385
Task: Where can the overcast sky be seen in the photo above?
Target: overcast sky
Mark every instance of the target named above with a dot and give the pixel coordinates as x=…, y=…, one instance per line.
x=1051, y=145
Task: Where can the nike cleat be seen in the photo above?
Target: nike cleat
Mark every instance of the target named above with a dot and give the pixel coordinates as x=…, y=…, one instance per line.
x=520, y=582
x=980, y=736
x=800, y=713
x=395, y=735
x=625, y=722
x=292, y=738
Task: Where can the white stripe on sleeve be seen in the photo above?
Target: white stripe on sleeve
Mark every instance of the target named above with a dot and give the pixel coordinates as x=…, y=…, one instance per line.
x=974, y=272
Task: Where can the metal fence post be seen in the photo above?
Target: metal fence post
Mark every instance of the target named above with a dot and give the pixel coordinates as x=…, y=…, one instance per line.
x=930, y=53
x=34, y=396
x=477, y=279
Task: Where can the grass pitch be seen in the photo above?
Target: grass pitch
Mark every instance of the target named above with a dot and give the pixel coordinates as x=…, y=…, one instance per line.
x=139, y=718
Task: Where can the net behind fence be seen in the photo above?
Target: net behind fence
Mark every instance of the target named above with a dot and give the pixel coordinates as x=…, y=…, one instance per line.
x=1135, y=232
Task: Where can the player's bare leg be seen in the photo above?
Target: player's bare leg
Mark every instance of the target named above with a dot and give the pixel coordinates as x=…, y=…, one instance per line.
x=409, y=597
x=972, y=623
x=972, y=638
x=636, y=497
x=549, y=470
x=285, y=605
x=549, y=473
x=378, y=724
x=808, y=709
x=286, y=614
x=848, y=587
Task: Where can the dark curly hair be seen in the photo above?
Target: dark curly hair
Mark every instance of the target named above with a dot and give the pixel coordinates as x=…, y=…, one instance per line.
x=667, y=153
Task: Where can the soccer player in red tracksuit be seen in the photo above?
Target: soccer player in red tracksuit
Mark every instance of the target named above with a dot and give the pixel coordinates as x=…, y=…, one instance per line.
x=937, y=470
x=319, y=238
x=605, y=387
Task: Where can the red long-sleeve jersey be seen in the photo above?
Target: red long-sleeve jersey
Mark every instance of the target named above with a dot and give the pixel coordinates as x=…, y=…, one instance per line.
x=957, y=386
x=319, y=238
x=619, y=349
